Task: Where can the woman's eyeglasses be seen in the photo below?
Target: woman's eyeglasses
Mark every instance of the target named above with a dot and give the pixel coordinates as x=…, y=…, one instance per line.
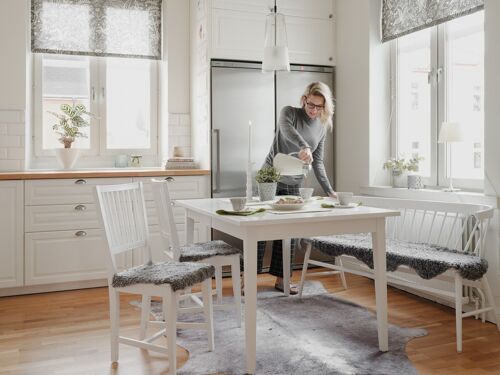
x=312, y=106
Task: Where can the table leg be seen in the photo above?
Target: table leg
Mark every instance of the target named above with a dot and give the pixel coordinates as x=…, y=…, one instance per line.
x=250, y=263
x=286, y=266
x=379, y=261
x=189, y=229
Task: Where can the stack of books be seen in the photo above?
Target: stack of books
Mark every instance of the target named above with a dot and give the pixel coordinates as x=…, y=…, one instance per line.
x=181, y=163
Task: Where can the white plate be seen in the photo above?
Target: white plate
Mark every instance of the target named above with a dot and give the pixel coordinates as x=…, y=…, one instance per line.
x=287, y=206
x=350, y=205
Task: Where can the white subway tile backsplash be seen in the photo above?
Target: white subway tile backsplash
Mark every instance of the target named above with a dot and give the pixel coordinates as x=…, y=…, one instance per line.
x=3, y=153
x=11, y=116
x=173, y=119
x=11, y=165
x=15, y=129
x=10, y=141
x=185, y=119
x=15, y=153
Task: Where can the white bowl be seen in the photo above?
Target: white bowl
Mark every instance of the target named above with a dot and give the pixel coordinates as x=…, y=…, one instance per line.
x=287, y=206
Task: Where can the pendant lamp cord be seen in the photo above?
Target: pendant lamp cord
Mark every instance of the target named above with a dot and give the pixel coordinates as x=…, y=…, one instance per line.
x=275, y=22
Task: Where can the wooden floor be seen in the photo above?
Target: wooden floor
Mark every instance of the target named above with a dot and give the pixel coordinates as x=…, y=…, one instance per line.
x=68, y=333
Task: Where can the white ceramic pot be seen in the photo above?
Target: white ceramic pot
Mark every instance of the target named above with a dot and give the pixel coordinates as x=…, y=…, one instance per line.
x=67, y=157
x=400, y=180
x=267, y=190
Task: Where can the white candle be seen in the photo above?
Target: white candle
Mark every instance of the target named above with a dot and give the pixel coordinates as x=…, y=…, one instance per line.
x=249, y=141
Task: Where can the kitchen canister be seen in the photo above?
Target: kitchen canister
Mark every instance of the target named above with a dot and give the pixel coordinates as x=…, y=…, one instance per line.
x=415, y=181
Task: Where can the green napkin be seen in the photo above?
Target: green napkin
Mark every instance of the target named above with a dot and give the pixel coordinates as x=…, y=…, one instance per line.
x=240, y=213
x=326, y=205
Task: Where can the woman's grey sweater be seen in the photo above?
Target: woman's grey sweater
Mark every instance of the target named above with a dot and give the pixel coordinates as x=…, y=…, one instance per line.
x=296, y=130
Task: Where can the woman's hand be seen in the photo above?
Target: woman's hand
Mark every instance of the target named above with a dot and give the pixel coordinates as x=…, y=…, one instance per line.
x=332, y=195
x=305, y=155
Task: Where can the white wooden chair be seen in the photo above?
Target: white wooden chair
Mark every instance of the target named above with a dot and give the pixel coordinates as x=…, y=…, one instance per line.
x=123, y=216
x=428, y=229
x=216, y=253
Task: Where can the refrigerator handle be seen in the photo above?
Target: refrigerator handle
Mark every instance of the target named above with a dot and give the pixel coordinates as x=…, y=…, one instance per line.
x=216, y=178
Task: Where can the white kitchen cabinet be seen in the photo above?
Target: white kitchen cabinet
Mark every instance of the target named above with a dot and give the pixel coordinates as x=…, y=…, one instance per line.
x=306, y=8
x=311, y=41
x=238, y=35
x=238, y=30
x=64, y=241
x=63, y=238
x=11, y=234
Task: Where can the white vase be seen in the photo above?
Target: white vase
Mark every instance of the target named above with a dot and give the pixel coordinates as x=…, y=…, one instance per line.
x=67, y=157
x=400, y=180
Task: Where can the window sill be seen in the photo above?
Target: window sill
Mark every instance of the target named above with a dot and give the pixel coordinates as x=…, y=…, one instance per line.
x=430, y=195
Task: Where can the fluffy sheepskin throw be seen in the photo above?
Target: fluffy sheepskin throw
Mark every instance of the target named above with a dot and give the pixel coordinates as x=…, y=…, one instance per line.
x=428, y=261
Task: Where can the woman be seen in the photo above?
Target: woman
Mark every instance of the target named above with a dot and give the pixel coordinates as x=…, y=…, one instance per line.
x=301, y=130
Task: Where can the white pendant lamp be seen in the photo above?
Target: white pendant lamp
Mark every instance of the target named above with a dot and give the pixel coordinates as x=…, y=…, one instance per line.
x=275, y=44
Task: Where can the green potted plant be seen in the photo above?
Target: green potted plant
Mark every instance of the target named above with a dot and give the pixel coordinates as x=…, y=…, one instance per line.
x=72, y=119
x=398, y=168
x=267, y=181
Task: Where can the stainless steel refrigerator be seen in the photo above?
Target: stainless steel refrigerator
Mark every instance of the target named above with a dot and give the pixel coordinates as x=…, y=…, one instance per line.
x=240, y=93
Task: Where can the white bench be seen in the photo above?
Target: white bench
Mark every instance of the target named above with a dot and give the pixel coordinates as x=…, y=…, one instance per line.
x=435, y=239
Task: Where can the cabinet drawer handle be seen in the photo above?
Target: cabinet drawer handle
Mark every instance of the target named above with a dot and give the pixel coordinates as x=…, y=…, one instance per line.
x=80, y=182
x=81, y=233
x=170, y=179
x=80, y=207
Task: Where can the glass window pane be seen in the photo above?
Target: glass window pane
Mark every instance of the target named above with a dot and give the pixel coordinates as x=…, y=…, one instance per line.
x=414, y=98
x=128, y=116
x=65, y=79
x=465, y=93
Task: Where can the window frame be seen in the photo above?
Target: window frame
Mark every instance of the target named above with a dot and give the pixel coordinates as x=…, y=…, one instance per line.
x=97, y=154
x=438, y=78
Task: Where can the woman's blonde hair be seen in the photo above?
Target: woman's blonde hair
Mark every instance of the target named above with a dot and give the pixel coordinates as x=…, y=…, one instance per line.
x=321, y=89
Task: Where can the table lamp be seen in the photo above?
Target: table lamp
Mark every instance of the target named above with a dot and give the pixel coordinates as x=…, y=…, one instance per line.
x=451, y=132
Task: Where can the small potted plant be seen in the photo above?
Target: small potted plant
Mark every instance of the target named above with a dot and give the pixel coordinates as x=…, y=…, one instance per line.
x=71, y=121
x=414, y=179
x=267, y=179
x=398, y=168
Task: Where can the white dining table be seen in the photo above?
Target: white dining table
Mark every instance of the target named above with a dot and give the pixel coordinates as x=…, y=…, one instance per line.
x=312, y=221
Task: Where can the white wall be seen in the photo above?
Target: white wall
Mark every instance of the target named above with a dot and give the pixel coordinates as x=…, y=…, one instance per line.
x=492, y=95
x=13, y=84
x=362, y=71
x=352, y=113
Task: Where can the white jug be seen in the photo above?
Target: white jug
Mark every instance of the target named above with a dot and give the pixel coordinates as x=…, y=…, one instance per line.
x=289, y=165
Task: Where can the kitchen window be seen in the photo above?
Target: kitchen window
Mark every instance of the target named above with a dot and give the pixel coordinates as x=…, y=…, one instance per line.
x=121, y=93
x=438, y=76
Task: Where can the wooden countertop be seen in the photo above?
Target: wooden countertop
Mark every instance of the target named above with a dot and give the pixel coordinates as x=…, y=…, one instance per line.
x=101, y=173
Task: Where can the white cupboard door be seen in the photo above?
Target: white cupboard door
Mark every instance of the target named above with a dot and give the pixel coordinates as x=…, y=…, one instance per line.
x=57, y=217
x=11, y=234
x=255, y=6
x=66, y=191
x=65, y=256
x=180, y=187
x=238, y=35
x=306, y=8
x=311, y=40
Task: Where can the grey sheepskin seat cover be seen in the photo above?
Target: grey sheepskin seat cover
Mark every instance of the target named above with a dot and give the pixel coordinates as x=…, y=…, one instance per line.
x=203, y=250
x=428, y=261
x=178, y=275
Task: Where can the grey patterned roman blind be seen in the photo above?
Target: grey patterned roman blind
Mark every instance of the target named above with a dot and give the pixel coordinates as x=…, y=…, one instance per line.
x=122, y=28
x=401, y=17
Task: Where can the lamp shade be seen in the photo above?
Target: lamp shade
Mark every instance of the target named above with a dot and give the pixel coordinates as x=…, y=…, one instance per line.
x=451, y=132
x=275, y=44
